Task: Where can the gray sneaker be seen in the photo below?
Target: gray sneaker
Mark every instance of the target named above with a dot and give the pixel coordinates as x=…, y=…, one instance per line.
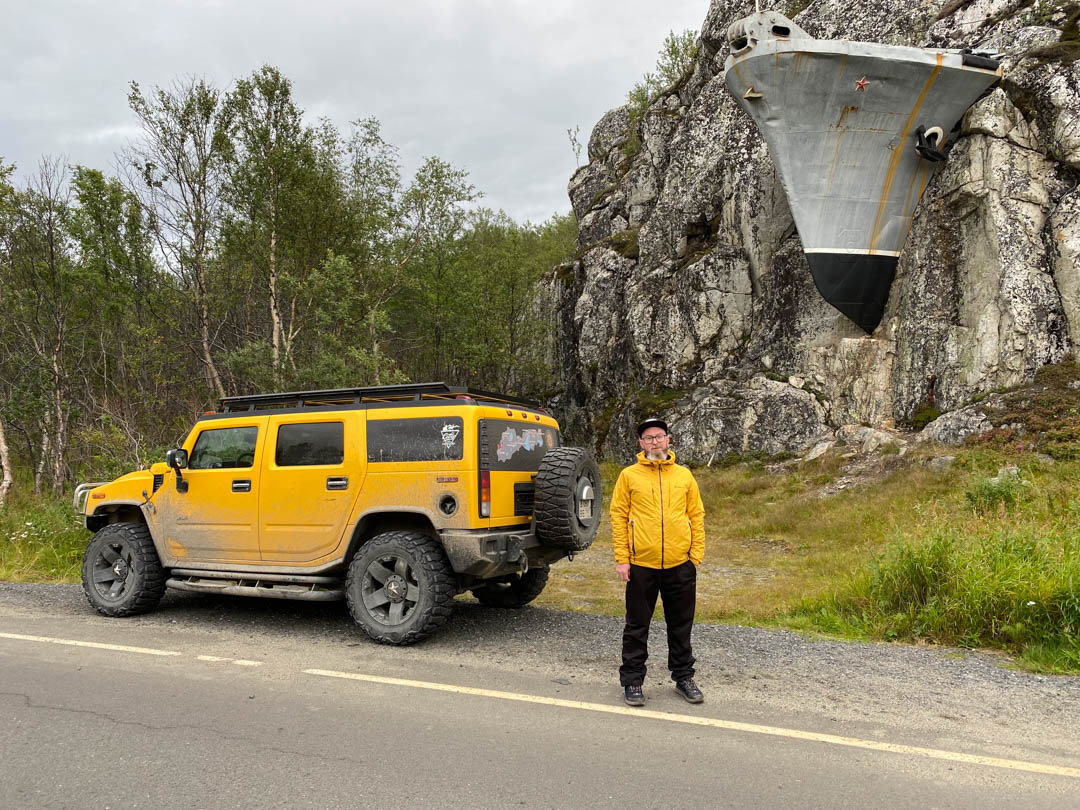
x=689, y=690
x=633, y=695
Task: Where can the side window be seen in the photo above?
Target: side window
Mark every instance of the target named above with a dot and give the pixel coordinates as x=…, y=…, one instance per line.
x=438, y=439
x=308, y=444
x=219, y=448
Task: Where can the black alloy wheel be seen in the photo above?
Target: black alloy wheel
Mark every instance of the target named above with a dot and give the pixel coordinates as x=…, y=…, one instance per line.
x=399, y=587
x=121, y=571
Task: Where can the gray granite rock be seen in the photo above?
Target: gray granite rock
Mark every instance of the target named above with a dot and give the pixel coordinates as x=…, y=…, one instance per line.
x=692, y=296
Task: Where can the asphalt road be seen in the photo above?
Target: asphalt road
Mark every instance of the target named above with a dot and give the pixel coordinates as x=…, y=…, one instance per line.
x=213, y=702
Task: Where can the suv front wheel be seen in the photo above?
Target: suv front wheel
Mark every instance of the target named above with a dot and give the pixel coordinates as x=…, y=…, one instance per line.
x=121, y=571
x=399, y=587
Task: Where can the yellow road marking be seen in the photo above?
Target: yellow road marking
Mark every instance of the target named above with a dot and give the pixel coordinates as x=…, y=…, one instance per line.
x=95, y=644
x=752, y=728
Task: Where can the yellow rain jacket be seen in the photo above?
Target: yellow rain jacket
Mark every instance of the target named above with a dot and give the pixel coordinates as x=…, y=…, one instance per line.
x=657, y=518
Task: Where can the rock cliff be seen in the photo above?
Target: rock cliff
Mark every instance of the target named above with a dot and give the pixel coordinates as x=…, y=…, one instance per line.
x=691, y=297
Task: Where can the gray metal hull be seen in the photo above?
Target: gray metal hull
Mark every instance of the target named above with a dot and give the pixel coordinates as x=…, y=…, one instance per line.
x=841, y=121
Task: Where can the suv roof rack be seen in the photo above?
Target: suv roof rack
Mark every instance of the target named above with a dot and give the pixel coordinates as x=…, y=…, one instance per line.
x=433, y=391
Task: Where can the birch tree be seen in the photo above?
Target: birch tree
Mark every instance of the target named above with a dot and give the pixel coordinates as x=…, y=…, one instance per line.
x=178, y=172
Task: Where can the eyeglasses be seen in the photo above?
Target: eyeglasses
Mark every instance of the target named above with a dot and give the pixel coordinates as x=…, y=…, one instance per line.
x=654, y=439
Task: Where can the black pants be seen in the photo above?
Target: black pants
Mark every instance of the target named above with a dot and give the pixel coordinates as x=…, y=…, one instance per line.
x=677, y=588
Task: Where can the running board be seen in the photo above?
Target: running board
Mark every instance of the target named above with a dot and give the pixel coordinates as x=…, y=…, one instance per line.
x=270, y=588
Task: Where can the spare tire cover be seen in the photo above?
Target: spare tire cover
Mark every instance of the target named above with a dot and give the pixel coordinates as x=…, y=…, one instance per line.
x=568, y=499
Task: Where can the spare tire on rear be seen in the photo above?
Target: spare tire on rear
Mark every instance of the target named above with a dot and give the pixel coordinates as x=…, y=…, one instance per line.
x=568, y=499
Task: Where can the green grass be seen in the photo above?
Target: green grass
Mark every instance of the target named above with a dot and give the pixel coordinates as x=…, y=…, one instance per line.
x=41, y=539
x=1008, y=587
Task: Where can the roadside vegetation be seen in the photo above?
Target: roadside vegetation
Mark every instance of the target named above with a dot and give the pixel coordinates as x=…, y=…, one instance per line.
x=959, y=556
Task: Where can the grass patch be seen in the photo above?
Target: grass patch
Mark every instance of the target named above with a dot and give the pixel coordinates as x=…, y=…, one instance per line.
x=1007, y=586
x=41, y=539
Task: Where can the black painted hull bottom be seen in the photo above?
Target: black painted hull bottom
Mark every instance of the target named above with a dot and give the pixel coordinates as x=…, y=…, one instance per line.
x=857, y=284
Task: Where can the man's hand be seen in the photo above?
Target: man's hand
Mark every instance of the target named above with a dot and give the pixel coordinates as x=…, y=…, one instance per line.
x=623, y=571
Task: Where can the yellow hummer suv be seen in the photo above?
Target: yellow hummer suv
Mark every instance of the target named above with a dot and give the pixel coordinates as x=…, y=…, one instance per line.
x=394, y=498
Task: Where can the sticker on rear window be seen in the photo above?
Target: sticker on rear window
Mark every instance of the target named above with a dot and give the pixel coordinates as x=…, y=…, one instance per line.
x=513, y=440
x=450, y=432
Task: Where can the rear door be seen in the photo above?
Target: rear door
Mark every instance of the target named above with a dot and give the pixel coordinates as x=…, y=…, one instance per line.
x=511, y=450
x=314, y=466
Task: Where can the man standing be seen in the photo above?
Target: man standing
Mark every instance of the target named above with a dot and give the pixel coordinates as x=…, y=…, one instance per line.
x=658, y=531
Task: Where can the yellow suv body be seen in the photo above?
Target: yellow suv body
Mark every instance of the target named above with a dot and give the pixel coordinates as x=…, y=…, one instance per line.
x=395, y=498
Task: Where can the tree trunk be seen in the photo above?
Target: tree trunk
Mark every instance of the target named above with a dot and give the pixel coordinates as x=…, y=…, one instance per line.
x=60, y=443
x=204, y=333
x=374, y=346
x=275, y=310
x=5, y=467
x=46, y=449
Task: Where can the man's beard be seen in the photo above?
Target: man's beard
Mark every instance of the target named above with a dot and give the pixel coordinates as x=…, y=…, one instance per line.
x=656, y=455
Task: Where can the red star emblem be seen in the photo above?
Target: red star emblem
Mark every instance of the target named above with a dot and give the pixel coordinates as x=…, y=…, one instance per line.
x=862, y=84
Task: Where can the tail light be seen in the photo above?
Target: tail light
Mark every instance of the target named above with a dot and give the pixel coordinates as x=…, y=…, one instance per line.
x=485, y=493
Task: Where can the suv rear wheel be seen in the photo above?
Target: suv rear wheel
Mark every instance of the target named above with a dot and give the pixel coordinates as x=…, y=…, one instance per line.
x=121, y=571
x=514, y=591
x=399, y=587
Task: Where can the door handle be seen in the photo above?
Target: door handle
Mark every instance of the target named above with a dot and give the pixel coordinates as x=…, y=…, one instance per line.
x=241, y=485
x=337, y=482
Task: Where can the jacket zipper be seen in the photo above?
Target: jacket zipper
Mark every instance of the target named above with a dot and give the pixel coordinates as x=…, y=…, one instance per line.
x=633, y=549
x=660, y=480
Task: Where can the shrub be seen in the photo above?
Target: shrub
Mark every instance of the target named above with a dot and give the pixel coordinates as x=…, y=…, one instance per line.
x=673, y=67
x=991, y=494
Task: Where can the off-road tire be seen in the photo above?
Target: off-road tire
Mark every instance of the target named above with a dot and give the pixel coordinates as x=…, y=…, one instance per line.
x=406, y=569
x=514, y=591
x=121, y=571
x=564, y=518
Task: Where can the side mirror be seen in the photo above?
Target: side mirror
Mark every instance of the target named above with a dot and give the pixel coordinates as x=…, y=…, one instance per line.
x=177, y=459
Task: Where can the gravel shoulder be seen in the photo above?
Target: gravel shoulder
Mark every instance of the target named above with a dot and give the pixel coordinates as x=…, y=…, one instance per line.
x=754, y=674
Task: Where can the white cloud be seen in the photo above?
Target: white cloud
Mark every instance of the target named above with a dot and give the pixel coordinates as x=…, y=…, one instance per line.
x=489, y=85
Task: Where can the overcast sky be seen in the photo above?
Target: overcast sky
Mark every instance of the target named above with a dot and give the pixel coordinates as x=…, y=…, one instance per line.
x=489, y=86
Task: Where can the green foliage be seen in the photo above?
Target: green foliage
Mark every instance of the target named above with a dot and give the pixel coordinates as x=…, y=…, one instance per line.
x=674, y=65
x=41, y=540
x=625, y=243
x=248, y=252
x=653, y=402
x=988, y=495
x=1043, y=416
x=1006, y=588
x=1066, y=17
